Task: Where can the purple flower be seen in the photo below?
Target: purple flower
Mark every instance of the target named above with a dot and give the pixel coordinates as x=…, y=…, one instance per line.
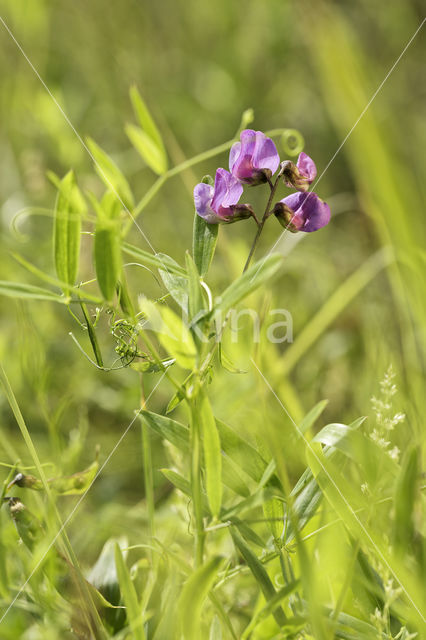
x=254, y=159
x=219, y=203
x=299, y=175
x=302, y=212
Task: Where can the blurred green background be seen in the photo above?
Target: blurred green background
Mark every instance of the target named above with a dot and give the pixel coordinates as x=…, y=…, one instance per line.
x=312, y=66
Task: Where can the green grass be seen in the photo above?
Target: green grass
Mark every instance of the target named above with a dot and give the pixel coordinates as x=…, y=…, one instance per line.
x=178, y=490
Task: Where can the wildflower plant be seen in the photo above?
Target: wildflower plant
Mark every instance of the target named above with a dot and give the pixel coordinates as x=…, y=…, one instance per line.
x=223, y=482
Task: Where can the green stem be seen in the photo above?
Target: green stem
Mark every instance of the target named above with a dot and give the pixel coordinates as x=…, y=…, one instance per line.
x=261, y=224
x=346, y=584
x=147, y=466
x=196, y=483
x=148, y=476
x=254, y=245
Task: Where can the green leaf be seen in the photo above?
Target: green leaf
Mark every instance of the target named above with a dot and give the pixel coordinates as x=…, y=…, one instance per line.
x=178, y=435
x=29, y=291
x=130, y=599
x=177, y=286
x=195, y=293
x=169, y=429
x=312, y=416
x=215, y=629
x=107, y=257
x=45, y=277
x=346, y=500
x=193, y=596
x=241, y=451
x=158, y=260
x=153, y=155
x=203, y=244
x=110, y=174
x=69, y=209
x=405, y=496
x=184, y=485
x=171, y=332
x=146, y=121
x=274, y=513
x=247, y=532
x=212, y=455
x=292, y=624
x=232, y=478
x=254, y=277
x=259, y=573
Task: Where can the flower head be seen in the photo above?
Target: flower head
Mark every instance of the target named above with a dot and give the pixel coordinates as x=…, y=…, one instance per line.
x=299, y=175
x=302, y=212
x=219, y=203
x=254, y=159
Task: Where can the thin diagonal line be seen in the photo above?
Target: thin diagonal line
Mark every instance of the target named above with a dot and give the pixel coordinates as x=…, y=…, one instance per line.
x=76, y=506
x=336, y=486
x=78, y=136
x=282, y=234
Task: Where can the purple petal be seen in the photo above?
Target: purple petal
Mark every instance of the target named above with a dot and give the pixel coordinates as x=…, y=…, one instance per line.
x=307, y=167
x=294, y=200
x=265, y=155
x=203, y=196
x=227, y=192
x=310, y=212
x=254, y=154
x=318, y=214
x=233, y=154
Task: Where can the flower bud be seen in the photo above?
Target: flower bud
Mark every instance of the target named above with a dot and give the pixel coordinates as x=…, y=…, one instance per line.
x=299, y=175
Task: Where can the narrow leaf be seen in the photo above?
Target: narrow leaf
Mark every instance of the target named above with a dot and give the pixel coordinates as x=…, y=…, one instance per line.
x=178, y=435
x=241, y=451
x=169, y=429
x=107, y=257
x=259, y=573
x=212, y=455
x=153, y=155
x=312, y=416
x=177, y=286
x=405, y=496
x=274, y=513
x=193, y=596
x=130, y=599
x=184, y=485
x=29, y=291
x=195, y=294
x=69, y=209
x=144, y=117
x=171, y=332
x=203, y=244
x=159, y=260
x=110, y=174
x=254, y=277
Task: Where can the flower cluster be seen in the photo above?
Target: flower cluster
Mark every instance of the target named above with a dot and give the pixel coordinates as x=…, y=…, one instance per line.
x=253, y=161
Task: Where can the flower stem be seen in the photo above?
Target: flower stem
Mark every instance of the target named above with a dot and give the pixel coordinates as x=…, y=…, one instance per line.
x=254, y=245
x=261, y=224
x=196, y=483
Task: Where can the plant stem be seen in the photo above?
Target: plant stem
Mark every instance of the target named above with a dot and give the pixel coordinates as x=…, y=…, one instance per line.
x=147, y=466
x=261, y=224
x=196, y=483
x=254, y=245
